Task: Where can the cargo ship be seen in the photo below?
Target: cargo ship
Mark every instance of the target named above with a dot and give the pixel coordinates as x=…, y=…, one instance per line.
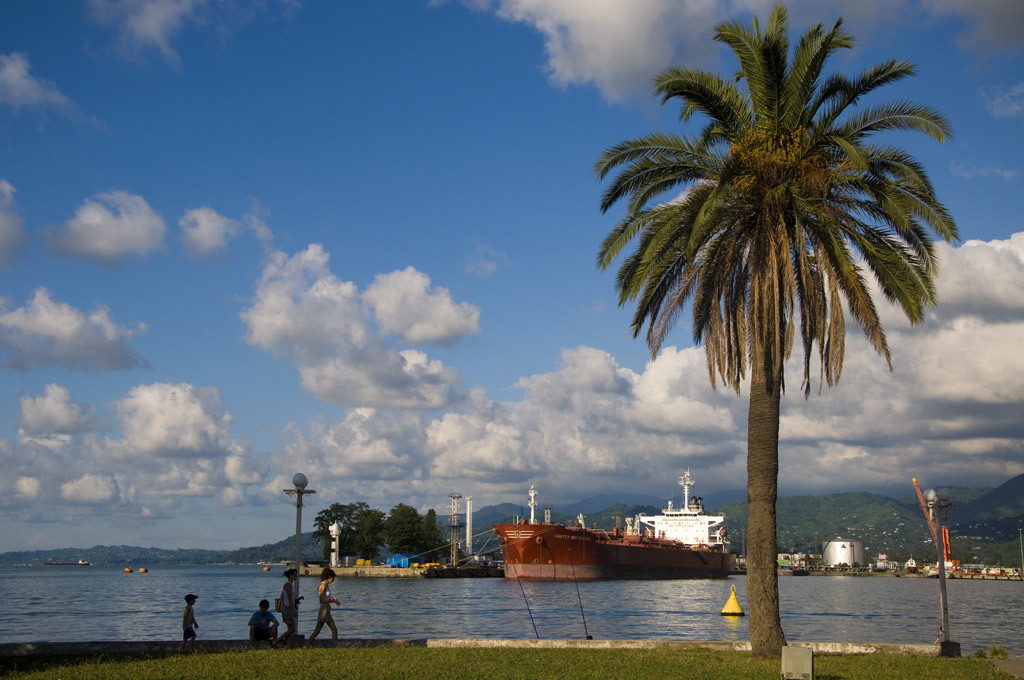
x=79, y=563
x=681, y=543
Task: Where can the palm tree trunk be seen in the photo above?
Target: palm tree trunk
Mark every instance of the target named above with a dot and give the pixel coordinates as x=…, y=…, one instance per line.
x=766, y=636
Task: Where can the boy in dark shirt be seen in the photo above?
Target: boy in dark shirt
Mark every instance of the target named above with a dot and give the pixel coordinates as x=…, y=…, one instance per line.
x=263, y=625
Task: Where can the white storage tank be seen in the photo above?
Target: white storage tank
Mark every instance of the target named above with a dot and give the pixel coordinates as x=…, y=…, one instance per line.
x=843, y=551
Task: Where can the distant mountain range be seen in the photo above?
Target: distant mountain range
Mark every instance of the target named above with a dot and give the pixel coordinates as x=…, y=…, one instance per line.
x=131, y=556
x=984, y=525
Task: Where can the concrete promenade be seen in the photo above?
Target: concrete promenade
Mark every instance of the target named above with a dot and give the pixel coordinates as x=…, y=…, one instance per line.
x=154, y=646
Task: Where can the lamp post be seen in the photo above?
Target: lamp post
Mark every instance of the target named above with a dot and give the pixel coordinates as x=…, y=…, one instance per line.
x=300, y=482
x=1020, y=535
x=938, y=508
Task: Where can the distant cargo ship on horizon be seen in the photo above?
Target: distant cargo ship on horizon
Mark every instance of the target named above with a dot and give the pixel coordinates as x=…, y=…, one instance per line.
x=79, y=563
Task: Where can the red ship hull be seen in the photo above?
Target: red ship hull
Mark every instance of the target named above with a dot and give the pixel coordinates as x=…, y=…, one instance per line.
x=556, y=552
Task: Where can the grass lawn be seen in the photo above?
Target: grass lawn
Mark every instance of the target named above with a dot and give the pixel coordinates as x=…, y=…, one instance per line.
x=382, y=663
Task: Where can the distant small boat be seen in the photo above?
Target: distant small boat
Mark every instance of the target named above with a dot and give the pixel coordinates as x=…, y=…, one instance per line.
x=801, y=572
x=79, y=563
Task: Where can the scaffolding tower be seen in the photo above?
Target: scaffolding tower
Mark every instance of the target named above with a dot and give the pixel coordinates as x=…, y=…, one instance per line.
x=454, y=524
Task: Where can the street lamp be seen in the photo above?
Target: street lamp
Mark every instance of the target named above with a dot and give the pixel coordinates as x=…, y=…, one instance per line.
x=938, y=509
x=300, y=482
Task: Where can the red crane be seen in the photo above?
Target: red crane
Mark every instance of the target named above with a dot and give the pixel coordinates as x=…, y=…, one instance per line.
x=947, y=554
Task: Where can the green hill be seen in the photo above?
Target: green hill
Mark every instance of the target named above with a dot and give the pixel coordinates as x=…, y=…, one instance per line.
x=132, y=556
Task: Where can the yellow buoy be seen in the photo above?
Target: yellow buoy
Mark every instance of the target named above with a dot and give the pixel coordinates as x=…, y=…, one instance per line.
x=143, y=570
x=266, y=568
x=732, y=606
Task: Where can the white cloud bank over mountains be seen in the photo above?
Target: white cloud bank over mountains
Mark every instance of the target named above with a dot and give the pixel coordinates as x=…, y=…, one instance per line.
x=413, y=432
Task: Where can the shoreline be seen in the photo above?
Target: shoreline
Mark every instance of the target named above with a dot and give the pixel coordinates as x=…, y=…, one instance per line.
x=15, y=649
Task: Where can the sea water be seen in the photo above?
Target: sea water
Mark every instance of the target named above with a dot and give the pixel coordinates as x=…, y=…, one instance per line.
x=66, y=604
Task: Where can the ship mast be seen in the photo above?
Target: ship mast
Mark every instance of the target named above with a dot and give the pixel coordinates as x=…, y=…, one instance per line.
x=686, y=482
x=533, y=505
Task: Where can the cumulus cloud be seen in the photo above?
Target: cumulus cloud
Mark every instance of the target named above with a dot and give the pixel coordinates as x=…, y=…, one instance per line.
x=205, y=231
x=54, y=413
x=617, y=47
x=952, y=413
x=175, y=419
x=19, y=88
x=12, y=234
x=48, y=332
x=620, y=46
x=173, y=448
x=107, y=229
x=89, y=488
x=302, y=309
x=404, y=305
x=27, y=488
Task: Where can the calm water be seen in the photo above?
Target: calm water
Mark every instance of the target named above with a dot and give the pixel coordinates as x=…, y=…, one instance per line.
x=94, y=603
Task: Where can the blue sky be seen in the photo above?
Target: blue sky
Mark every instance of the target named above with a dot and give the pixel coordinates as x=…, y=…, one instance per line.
x=357, y=240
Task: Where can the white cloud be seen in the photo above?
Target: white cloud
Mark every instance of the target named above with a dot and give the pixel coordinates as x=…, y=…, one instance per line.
x=47, y=332
x=368, y=445
x=620, y=46
x=12, y=234
x=301, y=309
x=107, y=229
x=205, y=231
x=981, y=279
x=616, y=46
x=54, y=413
x=242, y=468
x=90, y=488
x=404, y=304
x=179, y=419
x=254, y=221
x=1004, y=103
x=486, y=261
x=973, y=170
x=19, y=88
x=147, y=24
x=152, y=25
x=175, y=449
x=28, y=488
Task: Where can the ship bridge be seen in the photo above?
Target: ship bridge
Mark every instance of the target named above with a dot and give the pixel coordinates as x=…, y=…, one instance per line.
x=687, y=524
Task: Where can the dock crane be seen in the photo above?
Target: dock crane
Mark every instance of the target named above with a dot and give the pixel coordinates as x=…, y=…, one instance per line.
x=948, y=552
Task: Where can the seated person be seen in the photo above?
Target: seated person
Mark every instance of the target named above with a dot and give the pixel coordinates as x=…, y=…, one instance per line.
x=263, y=625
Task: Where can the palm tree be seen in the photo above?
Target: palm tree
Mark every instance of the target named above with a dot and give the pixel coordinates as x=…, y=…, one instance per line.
x=780, y=201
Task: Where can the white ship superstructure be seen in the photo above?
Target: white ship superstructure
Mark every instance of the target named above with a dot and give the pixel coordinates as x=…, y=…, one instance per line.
x=687, y=524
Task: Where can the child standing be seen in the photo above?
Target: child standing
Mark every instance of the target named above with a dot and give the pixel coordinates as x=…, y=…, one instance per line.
x=188, y=623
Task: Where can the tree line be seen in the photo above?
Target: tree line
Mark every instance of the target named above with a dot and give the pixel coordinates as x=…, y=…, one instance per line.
x=365, y=531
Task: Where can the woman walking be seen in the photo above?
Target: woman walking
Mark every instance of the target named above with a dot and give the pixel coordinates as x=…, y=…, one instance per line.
x=324, y=615
x=289, y=604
